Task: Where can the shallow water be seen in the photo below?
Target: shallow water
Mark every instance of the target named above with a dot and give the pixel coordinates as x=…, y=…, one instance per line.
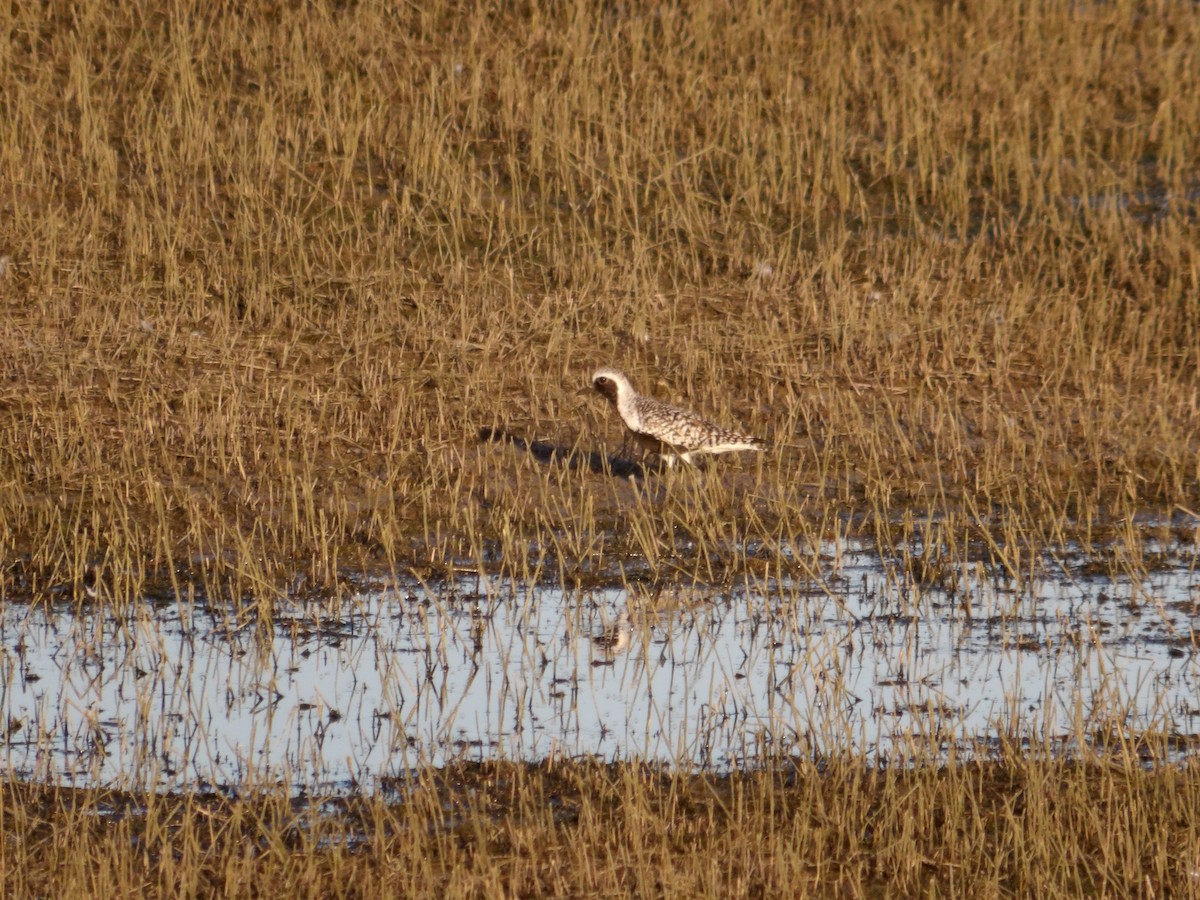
x=859, y=659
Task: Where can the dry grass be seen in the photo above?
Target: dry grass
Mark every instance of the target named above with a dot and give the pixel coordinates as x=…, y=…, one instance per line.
x=1009, y=828
x=264, y=276
x=269, y=274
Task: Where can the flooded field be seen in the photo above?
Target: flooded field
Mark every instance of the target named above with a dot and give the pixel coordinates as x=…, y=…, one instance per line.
x=329, y=696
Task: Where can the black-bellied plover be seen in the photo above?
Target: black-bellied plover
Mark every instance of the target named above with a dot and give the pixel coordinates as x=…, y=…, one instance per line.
x=670, y=432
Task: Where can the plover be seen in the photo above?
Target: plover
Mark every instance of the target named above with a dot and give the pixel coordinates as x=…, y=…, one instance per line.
x=670, y=432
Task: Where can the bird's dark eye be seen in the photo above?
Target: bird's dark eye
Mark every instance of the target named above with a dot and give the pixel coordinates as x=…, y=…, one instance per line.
x=601, y=381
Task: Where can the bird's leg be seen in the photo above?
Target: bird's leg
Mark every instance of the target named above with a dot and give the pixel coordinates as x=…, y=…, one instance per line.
x=625, y=450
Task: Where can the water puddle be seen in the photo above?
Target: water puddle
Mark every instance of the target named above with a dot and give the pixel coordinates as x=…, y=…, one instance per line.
x=860, y=659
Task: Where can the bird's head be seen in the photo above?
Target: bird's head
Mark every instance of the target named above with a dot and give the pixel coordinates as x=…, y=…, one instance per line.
x=609, y=382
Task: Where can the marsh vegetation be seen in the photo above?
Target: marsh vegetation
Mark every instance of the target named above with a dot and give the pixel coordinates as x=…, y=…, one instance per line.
x=297, y=305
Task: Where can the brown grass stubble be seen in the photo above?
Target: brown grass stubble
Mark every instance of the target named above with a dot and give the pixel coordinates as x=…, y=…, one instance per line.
x=271, y=272
x=268, y=273
x=1015, y=826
